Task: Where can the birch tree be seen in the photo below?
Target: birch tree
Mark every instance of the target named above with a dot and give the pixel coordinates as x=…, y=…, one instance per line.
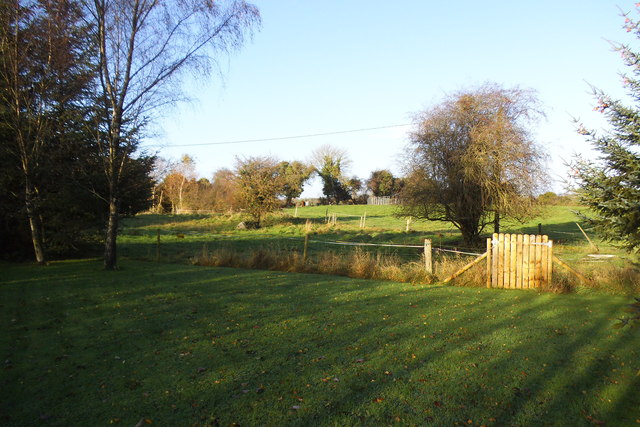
x=145, y=47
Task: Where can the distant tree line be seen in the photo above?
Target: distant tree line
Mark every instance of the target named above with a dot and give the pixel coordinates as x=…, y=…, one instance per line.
x=259, y=185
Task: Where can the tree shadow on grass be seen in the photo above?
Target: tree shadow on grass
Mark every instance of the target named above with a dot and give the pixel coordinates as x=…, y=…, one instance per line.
x=178, y=344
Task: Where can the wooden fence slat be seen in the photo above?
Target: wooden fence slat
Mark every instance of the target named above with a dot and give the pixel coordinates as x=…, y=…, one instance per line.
x=544, y=272
x=512, y=262
x=538, y=267
x=507, y=260
x=489, y=261
x=519, y=262
x=500, y=268
x=525, y=261
x=494, y=260
x=532, y=261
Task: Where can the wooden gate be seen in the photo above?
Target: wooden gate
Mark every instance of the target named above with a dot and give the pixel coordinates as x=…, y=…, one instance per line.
x=519, y=261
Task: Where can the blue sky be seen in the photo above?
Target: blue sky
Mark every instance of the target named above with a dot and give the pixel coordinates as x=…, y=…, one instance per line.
x=317, y=67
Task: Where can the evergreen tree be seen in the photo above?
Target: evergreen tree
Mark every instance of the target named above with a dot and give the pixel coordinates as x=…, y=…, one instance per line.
x=610, y=187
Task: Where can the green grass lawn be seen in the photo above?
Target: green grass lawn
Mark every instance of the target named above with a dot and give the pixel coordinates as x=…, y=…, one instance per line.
x=182, y=345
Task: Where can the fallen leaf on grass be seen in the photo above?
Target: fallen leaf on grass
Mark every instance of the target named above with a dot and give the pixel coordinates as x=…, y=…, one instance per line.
x=378, y=399
x=595, y=421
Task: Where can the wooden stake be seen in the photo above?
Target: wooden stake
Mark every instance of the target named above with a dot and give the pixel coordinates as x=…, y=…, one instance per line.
x=588, y=239
x=295, y=214
x=465, y=268
x=306, y=247
x=428, y=264
x=568, y=268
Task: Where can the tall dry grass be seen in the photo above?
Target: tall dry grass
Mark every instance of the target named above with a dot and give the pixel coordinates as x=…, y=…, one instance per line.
x=359, y=263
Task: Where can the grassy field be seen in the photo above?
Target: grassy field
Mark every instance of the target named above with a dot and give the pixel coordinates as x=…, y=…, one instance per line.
x=173, y=344
x=188, y=233
x=190, y=238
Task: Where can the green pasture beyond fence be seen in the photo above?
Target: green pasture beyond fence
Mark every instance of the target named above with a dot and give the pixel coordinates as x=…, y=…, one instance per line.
x=343, y=230
x=168, y=246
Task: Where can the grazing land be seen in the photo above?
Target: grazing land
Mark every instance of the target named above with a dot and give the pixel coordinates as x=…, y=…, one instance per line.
x=174, y=344
x=279, y=245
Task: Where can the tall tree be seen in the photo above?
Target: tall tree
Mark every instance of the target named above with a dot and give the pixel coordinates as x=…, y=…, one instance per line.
x=45, y=68
x=382, y=183
x=145, y=47
x=294, y=175
x=610, y=186
x=354, y=186
x=473, y=160
x=259, y=183
x=176, y=183
x=162, y=167
x=225, y=189
x=331, y=164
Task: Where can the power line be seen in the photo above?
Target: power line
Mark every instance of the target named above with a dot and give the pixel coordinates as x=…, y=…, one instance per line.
x=282, y=138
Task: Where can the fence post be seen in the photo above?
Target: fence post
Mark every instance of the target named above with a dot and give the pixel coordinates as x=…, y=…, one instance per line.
x=306, y=246
x=408, y=223
x=295, y=214
x=364, y=219
x=428, y=264
x=489, y=249
x=158, y=246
